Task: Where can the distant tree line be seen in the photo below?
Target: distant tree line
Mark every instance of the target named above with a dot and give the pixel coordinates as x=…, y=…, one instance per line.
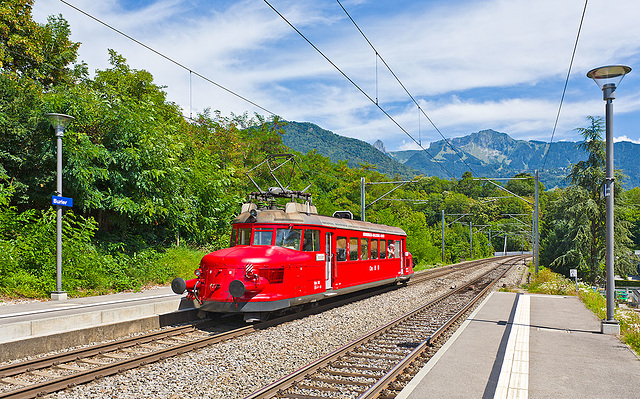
x=144, y=179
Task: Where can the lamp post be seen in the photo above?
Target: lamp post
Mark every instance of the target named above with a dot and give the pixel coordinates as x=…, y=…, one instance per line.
x=59, y=122
x=607, y=78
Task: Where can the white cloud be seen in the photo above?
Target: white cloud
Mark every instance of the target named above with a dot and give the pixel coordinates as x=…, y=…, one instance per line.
x=472, y=65
x=625, y=138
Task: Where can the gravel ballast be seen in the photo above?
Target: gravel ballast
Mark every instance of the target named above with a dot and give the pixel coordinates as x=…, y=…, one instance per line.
x=235, y=368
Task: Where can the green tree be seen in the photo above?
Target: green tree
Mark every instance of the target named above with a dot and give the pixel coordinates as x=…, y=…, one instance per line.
x=41, y=52
x=525, y=187
x=573, y=228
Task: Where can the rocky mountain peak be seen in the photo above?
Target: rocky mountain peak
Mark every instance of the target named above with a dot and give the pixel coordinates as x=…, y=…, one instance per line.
x=379, y=145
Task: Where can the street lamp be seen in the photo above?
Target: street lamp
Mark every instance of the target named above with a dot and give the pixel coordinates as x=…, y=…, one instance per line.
x=607, y=77
x=59, y=122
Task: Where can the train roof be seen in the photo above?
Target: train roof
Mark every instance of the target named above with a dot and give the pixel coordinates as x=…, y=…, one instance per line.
x=296, y=213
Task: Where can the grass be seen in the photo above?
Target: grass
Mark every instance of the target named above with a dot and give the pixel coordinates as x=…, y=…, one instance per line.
x=551, y=283
x=104, y=274
x=180, y=261
x=425, y=266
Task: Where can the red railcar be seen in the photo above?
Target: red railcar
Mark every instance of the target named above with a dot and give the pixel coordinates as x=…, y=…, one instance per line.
x=281, y=258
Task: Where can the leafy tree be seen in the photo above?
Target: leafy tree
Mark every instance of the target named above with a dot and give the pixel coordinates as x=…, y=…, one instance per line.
x=524, y=188
x=573, y=229
x=41, y=52
x=632, y=214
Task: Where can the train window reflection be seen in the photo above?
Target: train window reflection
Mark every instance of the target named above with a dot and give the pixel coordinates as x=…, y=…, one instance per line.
x=289, y=238
x=263, y=237
x=244, y=237
x=397, y=249
x=234, y=232
x=364, y=248
x=341, y=248
x=353, y=248
x=311, y=242
x=374, y=249
x=383, y=249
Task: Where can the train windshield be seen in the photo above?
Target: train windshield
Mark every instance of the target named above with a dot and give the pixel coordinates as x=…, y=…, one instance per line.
x=263, y=237
x=289, y=238
x=244, y=237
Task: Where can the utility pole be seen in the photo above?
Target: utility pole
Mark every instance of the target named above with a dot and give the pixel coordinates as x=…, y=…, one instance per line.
x=471, y=240
x=607, y=78
x=443, y=236
x=536, y=232
x=504, y=250
x=59, y=122
x=362, y=200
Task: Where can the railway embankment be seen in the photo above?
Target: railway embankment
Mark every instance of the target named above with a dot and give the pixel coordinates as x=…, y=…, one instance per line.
x=30, y=328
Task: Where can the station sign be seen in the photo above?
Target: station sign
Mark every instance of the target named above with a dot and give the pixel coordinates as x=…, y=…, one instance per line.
x=61, y=201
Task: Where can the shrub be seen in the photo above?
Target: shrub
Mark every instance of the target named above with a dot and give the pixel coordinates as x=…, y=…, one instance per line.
x=547, y=282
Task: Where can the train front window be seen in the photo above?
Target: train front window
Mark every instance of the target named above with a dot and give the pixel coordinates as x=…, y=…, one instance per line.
x=353, y=248
x=234, y=232
x=244, y=237
x=263, y=237
x=341, y=248
x=311, y=242
x=289, y=238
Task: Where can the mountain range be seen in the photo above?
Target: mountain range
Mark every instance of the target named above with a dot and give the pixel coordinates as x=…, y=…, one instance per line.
x=486, y=153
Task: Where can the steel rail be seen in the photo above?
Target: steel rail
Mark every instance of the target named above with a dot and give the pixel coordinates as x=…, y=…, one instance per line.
x=383, y=383
x=294, y=378
x=10, y=370
x=81, y=377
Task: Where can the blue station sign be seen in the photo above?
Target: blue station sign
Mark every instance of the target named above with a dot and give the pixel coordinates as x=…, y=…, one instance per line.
x=62, y=201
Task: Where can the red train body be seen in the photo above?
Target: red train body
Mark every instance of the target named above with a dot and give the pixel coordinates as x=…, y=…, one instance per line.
x=279, y=259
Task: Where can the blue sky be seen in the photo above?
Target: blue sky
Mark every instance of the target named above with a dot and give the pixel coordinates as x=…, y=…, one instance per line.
x=471, y=65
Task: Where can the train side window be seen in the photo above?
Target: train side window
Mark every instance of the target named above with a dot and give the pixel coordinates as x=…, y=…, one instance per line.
x=374, y=249
x=234, y=233
x=364, y=248
x=383, y=249
x=289, y=238
x=341, y=248
x=244, y=237
x=263, y=237
x=353, y=248
x=311, y=241
x=391, y=250
x=398, y=248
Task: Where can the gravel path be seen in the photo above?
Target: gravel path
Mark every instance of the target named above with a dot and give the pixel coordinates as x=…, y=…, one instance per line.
x=240, y=366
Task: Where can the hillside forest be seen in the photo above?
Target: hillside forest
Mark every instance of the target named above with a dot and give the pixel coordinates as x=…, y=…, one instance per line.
x=154, y=191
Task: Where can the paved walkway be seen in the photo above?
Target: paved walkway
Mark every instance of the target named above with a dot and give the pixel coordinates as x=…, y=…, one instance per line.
x=38, y=327
x=537, y=346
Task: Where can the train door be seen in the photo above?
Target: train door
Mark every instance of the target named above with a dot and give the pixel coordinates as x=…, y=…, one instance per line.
x=328, y=256
x=400, y=254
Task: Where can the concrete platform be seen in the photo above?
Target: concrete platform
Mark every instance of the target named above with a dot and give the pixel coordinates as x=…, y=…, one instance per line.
x=538, y=346
x=38, y=327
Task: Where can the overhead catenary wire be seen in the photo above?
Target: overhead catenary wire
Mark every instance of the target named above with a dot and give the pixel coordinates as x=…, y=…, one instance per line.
x=191, y=71
x=458, y=152
x=82, y=79
x=374, y=101
x=231, y=91
x=566, y=82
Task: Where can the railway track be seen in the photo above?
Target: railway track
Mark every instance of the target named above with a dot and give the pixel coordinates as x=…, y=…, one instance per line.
x=45, y=375
x=370, y=366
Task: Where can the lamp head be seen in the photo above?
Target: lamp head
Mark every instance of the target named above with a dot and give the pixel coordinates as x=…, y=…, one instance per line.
x=606, y=75
x=59, y=122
